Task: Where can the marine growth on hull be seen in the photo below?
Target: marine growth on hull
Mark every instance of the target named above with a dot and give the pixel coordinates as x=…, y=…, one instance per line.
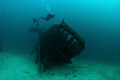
x=58, y=44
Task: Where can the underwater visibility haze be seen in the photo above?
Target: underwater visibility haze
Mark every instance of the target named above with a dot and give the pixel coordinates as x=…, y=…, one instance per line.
x=97, y=21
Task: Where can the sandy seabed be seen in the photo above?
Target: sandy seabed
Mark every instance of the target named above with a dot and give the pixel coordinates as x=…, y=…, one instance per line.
x=22, y=67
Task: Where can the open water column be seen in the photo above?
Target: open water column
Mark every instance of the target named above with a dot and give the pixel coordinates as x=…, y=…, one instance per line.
x=82, y=42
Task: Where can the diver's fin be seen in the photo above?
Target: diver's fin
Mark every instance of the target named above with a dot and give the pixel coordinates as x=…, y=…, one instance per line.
x=43, y=18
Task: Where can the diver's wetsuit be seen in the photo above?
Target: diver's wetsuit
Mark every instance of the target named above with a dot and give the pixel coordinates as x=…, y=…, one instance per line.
x=49, y=16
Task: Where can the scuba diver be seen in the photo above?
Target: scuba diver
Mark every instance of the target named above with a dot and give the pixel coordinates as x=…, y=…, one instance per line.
x=49, y=16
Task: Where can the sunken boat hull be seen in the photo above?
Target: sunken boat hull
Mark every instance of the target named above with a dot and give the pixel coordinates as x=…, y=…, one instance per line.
x=59, y=44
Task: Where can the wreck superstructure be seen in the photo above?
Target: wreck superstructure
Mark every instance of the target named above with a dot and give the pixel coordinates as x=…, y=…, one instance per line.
x=58, y=44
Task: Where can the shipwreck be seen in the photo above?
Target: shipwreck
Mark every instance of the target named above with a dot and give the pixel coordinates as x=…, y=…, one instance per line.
x=58, y=44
